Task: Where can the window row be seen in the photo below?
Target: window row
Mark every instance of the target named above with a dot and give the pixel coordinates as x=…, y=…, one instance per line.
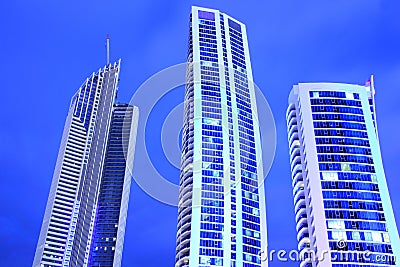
x=212, y=218
x=344, y=149
x=211, y=125
x=361, y=246
x=336, y=102
x=356, y=215
x=346, y=167
x=211, y=133
x=350, y=186
x=334, y=94
x=209, y=210
x=361, y=205
x=342, y=141
x=357, y=235
x=350, y=195
x=342, y=117
x=337, y=109
x=339, y=124
x=344, y=133
x=356, y=225
x=346, y=176
x=344, y=158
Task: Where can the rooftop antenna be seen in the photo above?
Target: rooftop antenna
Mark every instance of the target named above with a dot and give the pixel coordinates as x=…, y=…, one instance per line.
x=108, y=48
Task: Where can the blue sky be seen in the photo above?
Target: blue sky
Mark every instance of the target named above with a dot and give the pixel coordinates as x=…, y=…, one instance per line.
x=49, y=47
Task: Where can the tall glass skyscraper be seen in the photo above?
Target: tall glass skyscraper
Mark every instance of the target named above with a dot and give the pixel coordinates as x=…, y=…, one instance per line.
x=342, y=205
x=89, y=160
x=221, y=211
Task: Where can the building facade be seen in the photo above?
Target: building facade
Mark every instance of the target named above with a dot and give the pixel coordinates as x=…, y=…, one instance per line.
x=68, y=225
x=344, y=216
x=221, y=211
x=112, y=203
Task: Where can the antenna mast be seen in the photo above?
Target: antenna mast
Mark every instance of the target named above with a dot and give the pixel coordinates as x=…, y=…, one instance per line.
x=108, y=48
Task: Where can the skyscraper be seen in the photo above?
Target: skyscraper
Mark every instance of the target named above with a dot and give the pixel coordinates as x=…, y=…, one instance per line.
x=80, y=190
x=221, y=211
x=341, y=198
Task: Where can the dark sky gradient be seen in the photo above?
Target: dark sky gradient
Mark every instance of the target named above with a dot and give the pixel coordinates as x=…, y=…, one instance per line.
x=48, y=48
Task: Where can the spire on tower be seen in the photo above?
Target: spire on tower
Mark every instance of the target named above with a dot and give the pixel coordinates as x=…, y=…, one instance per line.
x=108, y=48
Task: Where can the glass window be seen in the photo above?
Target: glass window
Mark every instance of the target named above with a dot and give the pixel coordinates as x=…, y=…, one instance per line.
x=368, y=236
x=339, y=235
x=356, y=236
x=330, y=176
x=205, y=260
x=376, y=237
x=345, y=167
x=336, y=224
x=218, y=262
x=349, y=95
x=386, y=237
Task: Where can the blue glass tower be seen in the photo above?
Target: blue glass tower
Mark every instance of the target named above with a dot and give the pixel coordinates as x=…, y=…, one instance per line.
x=68, y=225
x=112, y=205
x=343, y=210
x=221, y=212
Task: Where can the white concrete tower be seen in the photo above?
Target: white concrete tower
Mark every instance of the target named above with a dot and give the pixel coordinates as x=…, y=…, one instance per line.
x=341, y=198
x=221, y=217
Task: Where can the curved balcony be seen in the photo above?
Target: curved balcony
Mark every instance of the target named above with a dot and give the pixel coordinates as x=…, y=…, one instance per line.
x=296, y=161
x=188, y=181
x=304, y=243
x=184, y=191
x=183, y=230
x=186, y=218
x=300, y=204
x=299, y=194
x=186, y=201
x=300, y=216
x=183, y=199
x=184, y=250
x=297, y=187
x=295, y=144
x=297, y=178
x=188, y=154
x=185, y=235
x=303, y=233
x=183, y=244
x=189, y=74
x=187, y=162
x=295, y=152
x=182, y=262
x=292, y=121
x=301, y=224
x=292, y=128
x=301, y=213
x=293, y=137
x=183, y=211
x=291, y=132
x=290, y=113
x=290, y=107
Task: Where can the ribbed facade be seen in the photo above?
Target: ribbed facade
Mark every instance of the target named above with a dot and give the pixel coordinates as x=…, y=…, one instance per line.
x=221, y=212
x=342, y=204
x=67, y=228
